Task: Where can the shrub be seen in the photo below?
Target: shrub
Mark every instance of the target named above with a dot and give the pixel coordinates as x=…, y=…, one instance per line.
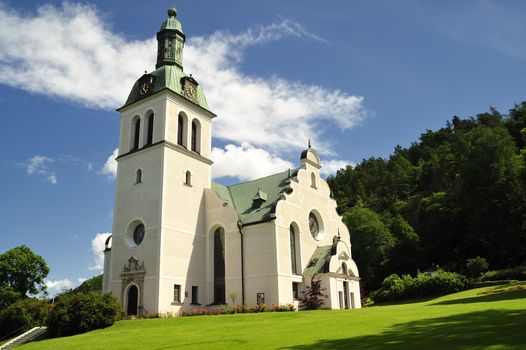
x=476, y=266
x=312, y=298
x=82, y=312
x=515, y=273
x=283, y=308
x=395, y=287
x=239, y=309
x=23, y=315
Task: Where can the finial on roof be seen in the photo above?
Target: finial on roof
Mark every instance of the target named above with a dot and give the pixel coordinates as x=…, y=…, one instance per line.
x=309, y=143
x=339, y=234
x=289, y=174
x=172, y=12
x=145, y=72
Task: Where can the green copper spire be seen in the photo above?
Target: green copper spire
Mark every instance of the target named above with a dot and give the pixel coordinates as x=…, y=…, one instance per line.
x=170, y=41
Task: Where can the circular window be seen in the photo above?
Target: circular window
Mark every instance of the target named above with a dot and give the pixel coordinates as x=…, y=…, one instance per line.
x=138, y=234
x=314, y=226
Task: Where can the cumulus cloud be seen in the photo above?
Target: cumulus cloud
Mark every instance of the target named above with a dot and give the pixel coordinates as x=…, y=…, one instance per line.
x=97, y=247
x=110, y=166
x=39, y=165
x=246, y=162
x=69, y=52
x=58, y=285
x=330, y=167
x=264, y=111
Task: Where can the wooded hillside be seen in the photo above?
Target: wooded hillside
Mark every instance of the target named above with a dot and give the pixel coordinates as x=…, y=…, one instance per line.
x=456, y=193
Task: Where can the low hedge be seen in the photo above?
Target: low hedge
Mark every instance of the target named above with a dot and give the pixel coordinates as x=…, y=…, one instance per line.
x=396, y=287
x=515, y=273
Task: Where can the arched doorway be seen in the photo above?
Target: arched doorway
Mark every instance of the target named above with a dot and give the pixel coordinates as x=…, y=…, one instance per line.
x=133, y=297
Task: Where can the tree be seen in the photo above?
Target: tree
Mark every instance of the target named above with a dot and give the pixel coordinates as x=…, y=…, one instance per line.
x=313, y=295
x=371, y=242
x=22, y=272
x=22, y=315
x=476, y=266
x=94, y=284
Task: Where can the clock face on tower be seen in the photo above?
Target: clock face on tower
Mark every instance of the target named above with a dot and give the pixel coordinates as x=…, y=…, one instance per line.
x=190, y=91
x=144, y=88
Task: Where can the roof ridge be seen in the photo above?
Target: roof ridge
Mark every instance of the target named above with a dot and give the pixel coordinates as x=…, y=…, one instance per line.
x=231, y=196
x=260, y=178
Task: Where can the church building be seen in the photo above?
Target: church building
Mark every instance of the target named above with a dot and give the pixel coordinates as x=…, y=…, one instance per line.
x=182, y=241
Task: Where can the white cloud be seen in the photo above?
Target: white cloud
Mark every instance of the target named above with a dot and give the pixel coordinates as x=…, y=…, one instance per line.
x=38, y=165
x=330, y=167
x=246, y=162
x=266, y=111
x=58, y=285
x=97, y=247
x=82, y=279
x=69, y=52
x=52, y=179
x=110, y=166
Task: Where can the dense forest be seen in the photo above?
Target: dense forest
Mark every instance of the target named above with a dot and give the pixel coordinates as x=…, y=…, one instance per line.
x=455, y=194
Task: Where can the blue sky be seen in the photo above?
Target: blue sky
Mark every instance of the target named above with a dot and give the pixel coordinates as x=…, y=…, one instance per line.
x=358, y=78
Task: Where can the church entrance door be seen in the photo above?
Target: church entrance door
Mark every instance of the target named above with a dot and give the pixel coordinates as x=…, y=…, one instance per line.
x=133, y=297
x=346, y=294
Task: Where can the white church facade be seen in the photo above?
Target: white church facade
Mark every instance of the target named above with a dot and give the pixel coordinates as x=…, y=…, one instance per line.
x=181, y=241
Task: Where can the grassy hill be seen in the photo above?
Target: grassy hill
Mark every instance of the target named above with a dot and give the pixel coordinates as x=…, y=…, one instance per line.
x=484, y=318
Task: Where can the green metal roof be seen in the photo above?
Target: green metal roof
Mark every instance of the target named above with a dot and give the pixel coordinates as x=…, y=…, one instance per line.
x=317, y=263
x=166, y=77
x=171, y=22
x=241, y=196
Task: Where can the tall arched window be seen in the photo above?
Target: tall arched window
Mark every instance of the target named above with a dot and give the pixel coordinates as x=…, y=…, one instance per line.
x=136, y=133
x=196, y=136
x=313, y=180
x=149, y=139
x=180, y=130
x=188, y=178
x=138, y=176
x=293, y=257
x=344, y=268
x=219, y=266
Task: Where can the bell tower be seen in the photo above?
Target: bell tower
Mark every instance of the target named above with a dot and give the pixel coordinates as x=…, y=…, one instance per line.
x=170, y=41
x=158, y=241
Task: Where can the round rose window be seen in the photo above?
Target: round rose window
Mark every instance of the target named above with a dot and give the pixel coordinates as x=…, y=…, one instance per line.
x=138, y=234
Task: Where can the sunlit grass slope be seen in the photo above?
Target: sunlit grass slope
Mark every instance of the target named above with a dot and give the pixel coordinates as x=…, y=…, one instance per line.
x=484, y=318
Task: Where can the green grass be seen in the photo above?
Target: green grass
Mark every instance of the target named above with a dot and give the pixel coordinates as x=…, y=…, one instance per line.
x=484, y=318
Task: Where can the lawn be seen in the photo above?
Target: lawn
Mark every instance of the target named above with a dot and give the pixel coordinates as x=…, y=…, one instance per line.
x=484, y=318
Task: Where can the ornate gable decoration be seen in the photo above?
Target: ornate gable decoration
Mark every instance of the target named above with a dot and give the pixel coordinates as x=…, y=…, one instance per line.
x=343, y=256
x=133, y=265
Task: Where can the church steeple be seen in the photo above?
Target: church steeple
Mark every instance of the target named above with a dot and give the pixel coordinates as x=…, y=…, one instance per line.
x=170, y=41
